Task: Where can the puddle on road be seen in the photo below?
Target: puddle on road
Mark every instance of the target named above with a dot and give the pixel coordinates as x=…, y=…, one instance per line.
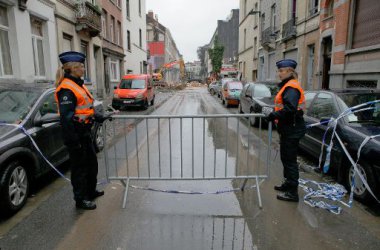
x=190, y=232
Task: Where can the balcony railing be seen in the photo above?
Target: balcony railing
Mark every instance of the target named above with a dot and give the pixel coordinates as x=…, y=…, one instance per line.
x=88, y=18
x=267, y=36
x=289, y=30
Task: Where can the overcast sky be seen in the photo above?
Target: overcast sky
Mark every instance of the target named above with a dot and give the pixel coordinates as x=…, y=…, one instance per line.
x=191, y=22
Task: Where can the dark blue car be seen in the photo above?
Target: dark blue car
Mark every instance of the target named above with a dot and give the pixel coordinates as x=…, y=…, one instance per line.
x=353, y=129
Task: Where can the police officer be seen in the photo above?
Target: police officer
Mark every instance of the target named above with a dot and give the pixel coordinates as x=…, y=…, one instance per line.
x=77, y=117
x=288, y=115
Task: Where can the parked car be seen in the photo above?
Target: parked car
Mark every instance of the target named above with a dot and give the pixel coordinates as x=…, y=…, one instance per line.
x=213, y=87
x=353, y=129
x=255, y=96
x=223, y=81
x=231, y=93
x=20, y=164
x=134, y=91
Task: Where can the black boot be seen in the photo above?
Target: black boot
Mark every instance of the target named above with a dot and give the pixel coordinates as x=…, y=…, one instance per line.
x=283, y=187
x=86, y=205
x=289, y=196
x=96, y=194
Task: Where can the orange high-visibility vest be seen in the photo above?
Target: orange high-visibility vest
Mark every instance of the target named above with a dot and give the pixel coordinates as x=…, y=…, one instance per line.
x=279, y=104
x=84, y=110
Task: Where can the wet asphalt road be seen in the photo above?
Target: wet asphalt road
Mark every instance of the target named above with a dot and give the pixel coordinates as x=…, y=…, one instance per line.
x=155, y=220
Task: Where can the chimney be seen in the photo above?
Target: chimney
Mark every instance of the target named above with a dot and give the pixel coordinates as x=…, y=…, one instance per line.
x=151, y=14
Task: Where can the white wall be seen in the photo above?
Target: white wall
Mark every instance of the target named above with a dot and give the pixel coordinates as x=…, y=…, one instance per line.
x=137, y=55
x=20, y=40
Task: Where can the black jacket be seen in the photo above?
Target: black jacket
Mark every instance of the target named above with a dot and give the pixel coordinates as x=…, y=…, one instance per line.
x=290, y=119
x=72, y=131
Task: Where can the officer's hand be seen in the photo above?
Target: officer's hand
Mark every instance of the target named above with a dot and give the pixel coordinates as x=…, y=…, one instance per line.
x=267, y=110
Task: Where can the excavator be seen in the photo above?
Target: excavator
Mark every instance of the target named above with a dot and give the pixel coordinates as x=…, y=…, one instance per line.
x=157, y=77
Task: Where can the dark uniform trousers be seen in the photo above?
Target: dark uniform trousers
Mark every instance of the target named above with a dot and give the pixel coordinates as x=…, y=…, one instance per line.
x=84, y=168
x=290, y=137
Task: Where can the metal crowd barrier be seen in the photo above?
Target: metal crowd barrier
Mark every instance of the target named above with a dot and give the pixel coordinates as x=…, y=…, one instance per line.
x=187, y=148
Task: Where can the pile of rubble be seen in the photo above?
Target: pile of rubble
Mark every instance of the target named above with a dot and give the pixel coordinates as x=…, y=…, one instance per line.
x=194, y=84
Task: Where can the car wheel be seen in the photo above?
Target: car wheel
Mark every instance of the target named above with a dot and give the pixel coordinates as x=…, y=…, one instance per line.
x=240, y=109
x=360, y=191
x=254, y=121
x=14, y=187
x=146, y=105
x=225, y=102
x=98, y=138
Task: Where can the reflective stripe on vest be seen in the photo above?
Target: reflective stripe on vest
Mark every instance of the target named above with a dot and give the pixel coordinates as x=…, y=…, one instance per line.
x=84, y=109
x=279, y=105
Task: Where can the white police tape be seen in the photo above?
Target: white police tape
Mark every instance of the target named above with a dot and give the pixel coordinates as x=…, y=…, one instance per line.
x=171, y=191
x=36, y=147
x=25, y=132
x=332, y=191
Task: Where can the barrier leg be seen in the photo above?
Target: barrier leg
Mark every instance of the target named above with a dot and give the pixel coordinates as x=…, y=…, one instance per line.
x=126, y=194
x=258, y=192
x=243, y=185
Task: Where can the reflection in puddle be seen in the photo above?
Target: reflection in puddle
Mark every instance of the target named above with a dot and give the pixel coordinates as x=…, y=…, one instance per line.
x=193, y=232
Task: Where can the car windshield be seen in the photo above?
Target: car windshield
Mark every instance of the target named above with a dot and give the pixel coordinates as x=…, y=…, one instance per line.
x=353, y=99
x=262, y=91
x=16, y=104
x=225, y=80
x=132, y=84
x=235, y=86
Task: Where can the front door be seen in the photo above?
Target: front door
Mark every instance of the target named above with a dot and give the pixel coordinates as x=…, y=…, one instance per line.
x=49, y=136
x=327, y=48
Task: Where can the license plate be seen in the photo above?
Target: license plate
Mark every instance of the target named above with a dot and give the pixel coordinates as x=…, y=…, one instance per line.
x=126, y=102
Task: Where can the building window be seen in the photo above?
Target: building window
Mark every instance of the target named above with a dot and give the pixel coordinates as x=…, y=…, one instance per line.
x=330, y=8
x=5, y=58
x=366, y=30
x=119, y=35
x=84, y=50
x=114, y=70
x=245, y=8
x=273, y=23
x=255, y=48
x=292, y=9
x=112, y=29
x=38, y=47
x=67, y=43
x=128, y=10
x=118, y=3
x=140, y=7
x=262, y=22
x=313, y=7
x=245, y=39
x=362, y=84
x=256, y=16
x=104, y=24
x=140, y=38
x=129, y=40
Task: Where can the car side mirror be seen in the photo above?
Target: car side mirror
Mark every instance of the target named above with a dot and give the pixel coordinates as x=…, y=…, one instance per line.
x=149, y=87
x=325, y=120
x=46, y=119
